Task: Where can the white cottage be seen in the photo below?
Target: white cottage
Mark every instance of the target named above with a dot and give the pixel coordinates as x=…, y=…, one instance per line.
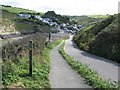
x=24, y=15
x=38, y=17
x=46, y=20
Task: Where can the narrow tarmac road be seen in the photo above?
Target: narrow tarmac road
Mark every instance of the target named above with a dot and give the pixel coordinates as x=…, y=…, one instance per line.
x=61, y=73
x=107, y=69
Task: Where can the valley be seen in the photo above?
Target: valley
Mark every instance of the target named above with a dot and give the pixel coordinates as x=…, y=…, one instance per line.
x=67, y=51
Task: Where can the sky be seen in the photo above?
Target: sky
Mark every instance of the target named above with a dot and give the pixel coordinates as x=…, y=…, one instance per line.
x=68, y=7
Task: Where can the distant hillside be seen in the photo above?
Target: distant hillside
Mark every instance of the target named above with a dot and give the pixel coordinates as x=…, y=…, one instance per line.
x=85, y=20
x=101, y=39
x=98, y=16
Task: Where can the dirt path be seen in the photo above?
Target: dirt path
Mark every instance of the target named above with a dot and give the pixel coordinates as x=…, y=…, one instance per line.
x=107, y=69
x=62, y=75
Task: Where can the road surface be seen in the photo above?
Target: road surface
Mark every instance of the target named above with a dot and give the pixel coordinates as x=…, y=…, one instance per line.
x=61, y=73
x=107, y=69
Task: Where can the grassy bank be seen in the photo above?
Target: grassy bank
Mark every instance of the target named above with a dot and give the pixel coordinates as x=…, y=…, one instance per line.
x=92, y=77
x=101, y=39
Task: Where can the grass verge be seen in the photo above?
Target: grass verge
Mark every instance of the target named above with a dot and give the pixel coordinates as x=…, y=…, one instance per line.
x=55, y=43
x=92, y=77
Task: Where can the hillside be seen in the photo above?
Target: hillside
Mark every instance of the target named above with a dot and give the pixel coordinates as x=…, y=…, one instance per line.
x=101, y=39
x=87, y=20
x=28, y=21
x=11, y=22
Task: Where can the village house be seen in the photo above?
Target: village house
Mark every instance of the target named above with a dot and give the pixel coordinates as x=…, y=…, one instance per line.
x=46, y=20
x=53, y=23
x=24, y=15
x=38, y=17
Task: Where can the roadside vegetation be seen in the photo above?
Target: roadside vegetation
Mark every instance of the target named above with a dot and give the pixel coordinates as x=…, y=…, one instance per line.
x=101, y=39
x=16, y=66
x=92, y=78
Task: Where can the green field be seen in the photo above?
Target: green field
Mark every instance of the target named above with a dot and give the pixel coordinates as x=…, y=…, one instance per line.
x=16, y=9
x=98, y=16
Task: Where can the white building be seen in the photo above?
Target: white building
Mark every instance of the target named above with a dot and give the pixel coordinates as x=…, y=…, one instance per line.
x=38, y=17
x=23, y=15
x=46, y=20
x=53, y=23
x=63, y=24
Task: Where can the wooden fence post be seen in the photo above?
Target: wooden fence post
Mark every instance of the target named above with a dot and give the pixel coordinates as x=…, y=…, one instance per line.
x=49, y=38
x=30, y=57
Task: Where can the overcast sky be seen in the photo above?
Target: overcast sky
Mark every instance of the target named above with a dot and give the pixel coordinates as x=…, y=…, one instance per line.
x=67, y=7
